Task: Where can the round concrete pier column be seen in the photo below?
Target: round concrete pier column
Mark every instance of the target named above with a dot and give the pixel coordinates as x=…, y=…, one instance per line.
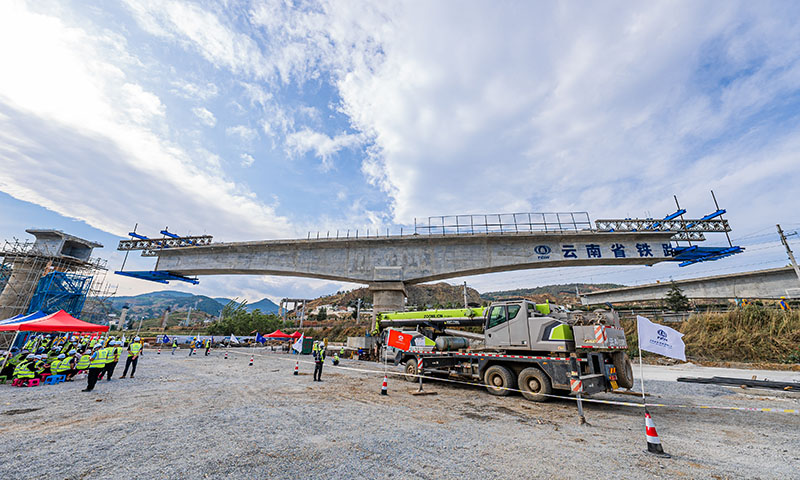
x=387, y=297
x=25, y=275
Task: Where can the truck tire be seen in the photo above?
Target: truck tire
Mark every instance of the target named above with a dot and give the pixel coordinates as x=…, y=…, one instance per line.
x=535, y=384
x=624, y=369
x=411, y=369
x=498, y=380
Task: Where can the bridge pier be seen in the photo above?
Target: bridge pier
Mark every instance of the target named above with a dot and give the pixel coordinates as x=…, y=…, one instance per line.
x=387, y=297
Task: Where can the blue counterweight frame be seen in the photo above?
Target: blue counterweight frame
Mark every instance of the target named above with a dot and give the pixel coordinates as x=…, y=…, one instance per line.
x=61, y=291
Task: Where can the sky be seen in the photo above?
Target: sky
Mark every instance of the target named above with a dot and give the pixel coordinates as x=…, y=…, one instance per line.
x=255, y=120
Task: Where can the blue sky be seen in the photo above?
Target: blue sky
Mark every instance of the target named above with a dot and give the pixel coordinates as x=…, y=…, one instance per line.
x=268, y=119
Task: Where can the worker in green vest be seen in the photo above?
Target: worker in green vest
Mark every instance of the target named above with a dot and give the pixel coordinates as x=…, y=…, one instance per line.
x=112, y=353
x=11, y=364
x=55, y=363
x=67, y=365
x=38, y=364
x=96, y=365
x=24, y=370
x=174, y=345
x=134, y=350
x=83, y=362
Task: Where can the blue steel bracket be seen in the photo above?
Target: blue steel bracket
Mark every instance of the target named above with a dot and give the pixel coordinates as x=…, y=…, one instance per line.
x=694, y=254
x=158, y=276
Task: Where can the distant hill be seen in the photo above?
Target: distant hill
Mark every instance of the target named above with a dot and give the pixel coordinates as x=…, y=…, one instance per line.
x=154, y=304
x=424, y=296
x=564, y=294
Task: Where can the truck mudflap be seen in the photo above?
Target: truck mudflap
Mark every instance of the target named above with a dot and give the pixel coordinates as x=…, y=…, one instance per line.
x=593, y=383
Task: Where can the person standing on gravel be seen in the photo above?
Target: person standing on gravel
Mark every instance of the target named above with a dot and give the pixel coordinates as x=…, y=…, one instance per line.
x=133, y=356
x=174, y=345
x=208, y=345
x=96, y=365
x=115, y=350
x=319, y=361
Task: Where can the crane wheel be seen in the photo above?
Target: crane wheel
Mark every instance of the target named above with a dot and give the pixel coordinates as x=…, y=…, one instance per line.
x=498, y=380
x=624, y=369
x=410, y=370
x=535, y=385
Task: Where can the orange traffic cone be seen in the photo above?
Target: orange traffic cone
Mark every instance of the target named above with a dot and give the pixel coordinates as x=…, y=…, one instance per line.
x=251, y=361
x=385, y=387
x=653, y=442
x=297, y=368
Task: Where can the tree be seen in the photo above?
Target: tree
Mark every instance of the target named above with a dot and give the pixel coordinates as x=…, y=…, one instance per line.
x=676, y=300
x=322, y=315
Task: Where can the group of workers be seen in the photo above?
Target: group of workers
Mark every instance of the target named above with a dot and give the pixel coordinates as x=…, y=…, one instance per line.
x=69, y=354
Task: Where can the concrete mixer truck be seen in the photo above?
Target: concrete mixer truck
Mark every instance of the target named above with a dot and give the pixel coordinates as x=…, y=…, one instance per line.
x=539, y=349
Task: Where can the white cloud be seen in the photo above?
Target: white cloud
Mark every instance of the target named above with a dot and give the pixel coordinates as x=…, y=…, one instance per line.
x=247, y=160
x=608, y=104
x=205, y=116
x=79, y=137
x=193, y=91
x=202, y=30
x=323, y=146
x=244, y=133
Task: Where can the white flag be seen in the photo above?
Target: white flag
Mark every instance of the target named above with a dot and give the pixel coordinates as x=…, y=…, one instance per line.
x=660, y=339
x=234, y=339
x=298, y=345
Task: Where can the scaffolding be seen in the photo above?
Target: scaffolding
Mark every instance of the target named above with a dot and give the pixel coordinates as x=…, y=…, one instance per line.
x=34, y=277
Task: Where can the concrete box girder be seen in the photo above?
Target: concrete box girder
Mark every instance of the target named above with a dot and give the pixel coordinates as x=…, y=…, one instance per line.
x=416, y=258
x=772, y=283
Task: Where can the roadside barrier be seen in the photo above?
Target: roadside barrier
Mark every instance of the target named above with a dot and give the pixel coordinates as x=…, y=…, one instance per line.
x=563, y=397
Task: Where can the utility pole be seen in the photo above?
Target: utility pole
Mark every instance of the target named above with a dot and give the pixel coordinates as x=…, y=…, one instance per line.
x=358, y=310
x=789, y=252
x=466, y=305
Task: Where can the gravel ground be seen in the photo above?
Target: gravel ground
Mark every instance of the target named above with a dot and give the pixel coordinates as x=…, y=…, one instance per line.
x=209, y=417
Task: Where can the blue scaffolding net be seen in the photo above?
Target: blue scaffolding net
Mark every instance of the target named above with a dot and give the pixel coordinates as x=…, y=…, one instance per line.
x=61, y=291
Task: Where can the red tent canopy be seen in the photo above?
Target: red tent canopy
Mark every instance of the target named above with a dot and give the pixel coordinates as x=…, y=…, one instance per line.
x=60, y=321
x=296, y=335
x=277, y=334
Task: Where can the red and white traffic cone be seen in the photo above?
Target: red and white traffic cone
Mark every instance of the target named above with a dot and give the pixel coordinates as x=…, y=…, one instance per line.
x=159, y=350
x=297, y=368
x=251, y=361
x=385, y=387
x=226, y=355
x=653, y=442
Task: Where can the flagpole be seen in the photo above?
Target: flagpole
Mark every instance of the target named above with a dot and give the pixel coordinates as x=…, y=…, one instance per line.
x=641, y=366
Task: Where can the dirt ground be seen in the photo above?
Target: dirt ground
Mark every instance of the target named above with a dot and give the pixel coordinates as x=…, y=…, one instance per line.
x=196, y=417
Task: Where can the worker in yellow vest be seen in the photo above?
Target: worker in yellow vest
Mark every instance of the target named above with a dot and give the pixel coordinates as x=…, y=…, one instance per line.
x=24, y=370
x=67, y=366
x=96, y=365
x=83, y=362
x=134, y=350
x=55, y=363
x=114, y=351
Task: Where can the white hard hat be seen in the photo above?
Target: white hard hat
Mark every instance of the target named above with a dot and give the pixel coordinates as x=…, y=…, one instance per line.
x=136, y=339
x=62, y=356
